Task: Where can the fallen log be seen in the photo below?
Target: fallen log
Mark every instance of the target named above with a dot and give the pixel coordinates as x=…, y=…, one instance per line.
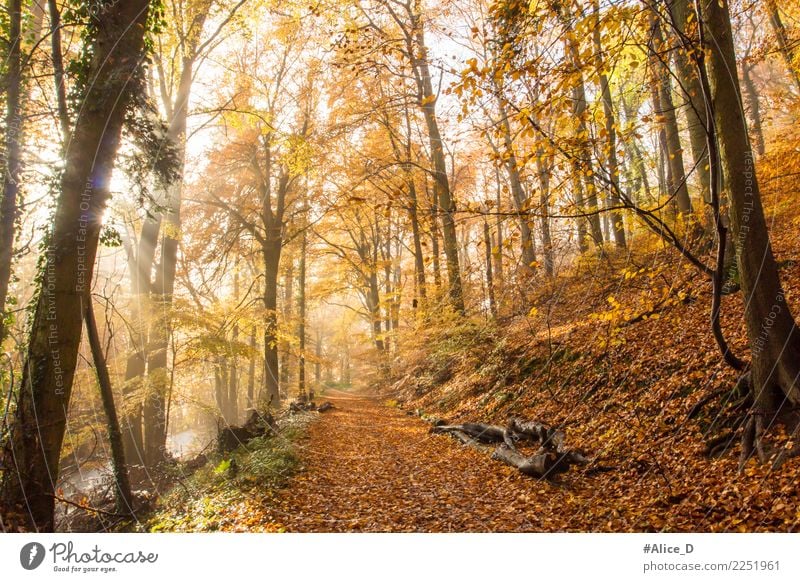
x=484, y=433
x=325, y=407
x=539, y=465
x=551, y=458
x=299, y=406
x=538, y=432
x=543, y=464
x=257, y=425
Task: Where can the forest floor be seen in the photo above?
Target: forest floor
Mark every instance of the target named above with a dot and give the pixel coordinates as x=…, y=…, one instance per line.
x=367, y=466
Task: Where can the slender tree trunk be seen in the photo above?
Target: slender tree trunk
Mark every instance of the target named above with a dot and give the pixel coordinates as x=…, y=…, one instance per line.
x=374, y=307
x=544, y=204
x=318, y=362
x=498, y=255
x=288, y=316
x=233, y=380
x=58, y=69
x=519, y=197
x=301, y=325
x=271, y=254
x=616, y=218
x=665, y=110
x=693, y=96
x=133, y=389
x=48, y=373
x=437, y=271
x=13, y=137
x=487, y=243
x=154, y=409
x=251, y=372
x=754, y=108
x=634, y=155
x=124, y=498
x=441, y=186
x=787, y=52
x=419, y=257
x=582, y=166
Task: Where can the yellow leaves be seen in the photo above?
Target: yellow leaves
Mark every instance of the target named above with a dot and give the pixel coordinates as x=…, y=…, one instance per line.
x=427, y=100
x=533, y=312
x=171, y=230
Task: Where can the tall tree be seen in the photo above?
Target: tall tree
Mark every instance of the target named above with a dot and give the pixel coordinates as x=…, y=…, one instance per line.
x=771, y=330
x=12, y=166
x=113, y=71
x=664, y=109
x=617, y=226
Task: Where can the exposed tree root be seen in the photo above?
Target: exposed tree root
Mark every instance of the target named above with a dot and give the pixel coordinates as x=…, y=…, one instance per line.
x=550, y=459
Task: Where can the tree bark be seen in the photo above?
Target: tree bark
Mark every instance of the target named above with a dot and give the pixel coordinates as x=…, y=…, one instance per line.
x=441, y=185
x=665, y=110
x=788, y=53
x=544, y=205
x=301, y=325
x=754, y=108
x=124, y=497
x=13, y=137
x=271, y=253
x=519, y=197
x=288, y=317
x=583, y=172
x=693, y=94
x=617, y=224
x=487, y=244
x=773, y=336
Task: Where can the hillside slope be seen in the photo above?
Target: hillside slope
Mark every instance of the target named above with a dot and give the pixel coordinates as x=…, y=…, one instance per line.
x=618, y=352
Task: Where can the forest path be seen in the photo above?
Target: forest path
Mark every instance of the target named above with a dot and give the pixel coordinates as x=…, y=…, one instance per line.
x=370, y=467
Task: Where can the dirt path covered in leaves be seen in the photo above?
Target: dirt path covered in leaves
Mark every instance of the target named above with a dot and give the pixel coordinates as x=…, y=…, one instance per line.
x=370, y=467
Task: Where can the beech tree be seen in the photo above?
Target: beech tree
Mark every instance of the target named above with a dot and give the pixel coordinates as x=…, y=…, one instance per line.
x=112, y=73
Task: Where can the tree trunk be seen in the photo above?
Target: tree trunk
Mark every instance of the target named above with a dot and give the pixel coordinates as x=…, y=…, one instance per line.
x=616, y=218
x=544, y=204
x=251, y=372
x=288, y=316
x=487, y=243
x=519, y=197
x=582, y=162
x=155, y=410
x=374, y=308
x=301, y=325
x=498, y=255
x=753, y=109
x=58, y=69
x=772, y=334
x=271, y=253
x=693, y=94
x=318, y=363
x=441, y=185
x=437, y=271
x=124, y=498
x=233, y=380
x=419, y=258
x=787, y=52
x=141, y=272
x=48, y=373
x=13, y=137
x=665, y=110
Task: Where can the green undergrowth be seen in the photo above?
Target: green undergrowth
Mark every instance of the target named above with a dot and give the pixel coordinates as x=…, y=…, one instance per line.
x=206, y=500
